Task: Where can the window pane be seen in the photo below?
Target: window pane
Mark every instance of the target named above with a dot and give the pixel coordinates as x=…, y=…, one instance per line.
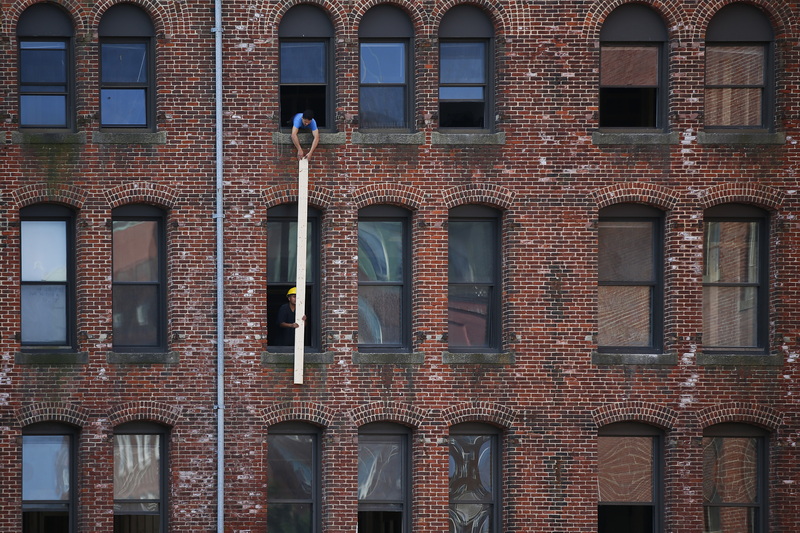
x=137, y=524
x=380, y=250
x=124, y=62
x=461, y=93
x=290, y=517
x=303, y=62
x=290, y=467
x=44, y=250
x=282, y=251
x=380, y=470
x=135, y=250
x=123, y=107
x=470, y=246
x=380, y=311
x=462, y=63
x=136, y=315
x=470, y=518
x=137, y=465
x=730, y=467
x=46, y=465
x=382, y=107
x=731, y=252
x=43, y=63
x=625, y=469
x=43, y=110
x=44, y=314
x=624, y=316
x=383, y=63
x=734, y=519
x=626, y=251
x=730, y=316
x=733, y=107
x=469, y=309
x=735, y=65
x=629, y=66
x=471, y=468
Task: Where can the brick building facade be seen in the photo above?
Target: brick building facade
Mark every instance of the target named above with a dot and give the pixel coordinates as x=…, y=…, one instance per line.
x=552, y=283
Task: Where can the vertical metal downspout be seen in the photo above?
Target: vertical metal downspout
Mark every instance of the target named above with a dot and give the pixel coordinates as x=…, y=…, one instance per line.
x=220, y=283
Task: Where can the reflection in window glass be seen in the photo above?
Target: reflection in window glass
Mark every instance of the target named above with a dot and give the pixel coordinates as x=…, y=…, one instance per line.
x=137, y=483
x=473, y=491
x=47, y=494
x=625, y=484
x=383, y=85
x=462, y=84
x=382, y=483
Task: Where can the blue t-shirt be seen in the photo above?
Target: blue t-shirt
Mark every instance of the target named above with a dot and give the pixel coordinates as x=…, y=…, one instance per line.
x=298, y=123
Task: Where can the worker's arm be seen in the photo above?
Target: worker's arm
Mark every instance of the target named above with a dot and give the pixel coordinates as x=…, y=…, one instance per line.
x=314, y=143
x=296, y=143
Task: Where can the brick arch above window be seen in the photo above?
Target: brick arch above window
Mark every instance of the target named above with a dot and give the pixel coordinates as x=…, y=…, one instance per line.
x=497, y=14
x=485, y=412
x=416, y=12
x=71, y=7
x=649, y=413
x=670, y=11
x=744, y=412
x=143, y=193
x=388, y=193
x=318, y=196
x=742, y=193
x=779, y=14
x=311, y=412
x=479, y=193
x=658, y=196
x=388, y=411
x=63, y=412
x=158, y=412
x=38, y=193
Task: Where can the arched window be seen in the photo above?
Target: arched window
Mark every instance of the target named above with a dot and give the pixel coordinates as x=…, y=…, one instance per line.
x=735, y=478
x=386, y=62
x=46, y=80
x=140, y=478
x=630, y=278
x=474, y=478
x=633, y=71
x=127, y=70
x=49, y=478
x=735, y=265
x=306, y=65
x=739, y=69
x=384, y=478
x=466, y=38
x=630, y=478
x=294, y=490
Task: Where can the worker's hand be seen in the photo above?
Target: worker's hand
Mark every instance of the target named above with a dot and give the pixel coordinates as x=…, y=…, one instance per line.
x=300, y=153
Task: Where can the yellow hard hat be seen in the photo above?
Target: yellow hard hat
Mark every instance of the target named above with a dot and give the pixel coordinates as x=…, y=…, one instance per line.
x=293, y=290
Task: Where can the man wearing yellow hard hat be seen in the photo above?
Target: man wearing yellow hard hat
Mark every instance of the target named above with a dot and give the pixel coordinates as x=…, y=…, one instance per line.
x=287, y=320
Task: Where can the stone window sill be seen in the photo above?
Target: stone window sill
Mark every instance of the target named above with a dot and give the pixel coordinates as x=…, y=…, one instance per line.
x=129, y=137
x=445, y=138
x=51, y=358
x=609, y=138
x=738, y=359
x=142, y=358
x=287, y=358
x=388, y=138
x=741, y=137
x=605, y=358
x=47, y=137
x=478, y=358
x=406, y=358
x=279, y=137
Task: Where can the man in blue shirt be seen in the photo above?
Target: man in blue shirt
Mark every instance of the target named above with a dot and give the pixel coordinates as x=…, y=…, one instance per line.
x=305, y=120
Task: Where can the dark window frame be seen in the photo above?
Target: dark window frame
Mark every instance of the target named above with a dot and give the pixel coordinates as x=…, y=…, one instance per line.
x=308, y=23
x=393, y=433
x=73, y=433
x=640, y=429
x=734, y=212
x=316, y=501
x=276, y=291
x=628, y=212
x=391, y=213
x=635, y=25
x=388, y=24
x=129, y=24
x=55, y=212
x=483, y=214
x=495, y=434
x=145, y=212
x=740, y=24
x=466, y=23
x=151, y=428
x=41, y=23
x=762, y=436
